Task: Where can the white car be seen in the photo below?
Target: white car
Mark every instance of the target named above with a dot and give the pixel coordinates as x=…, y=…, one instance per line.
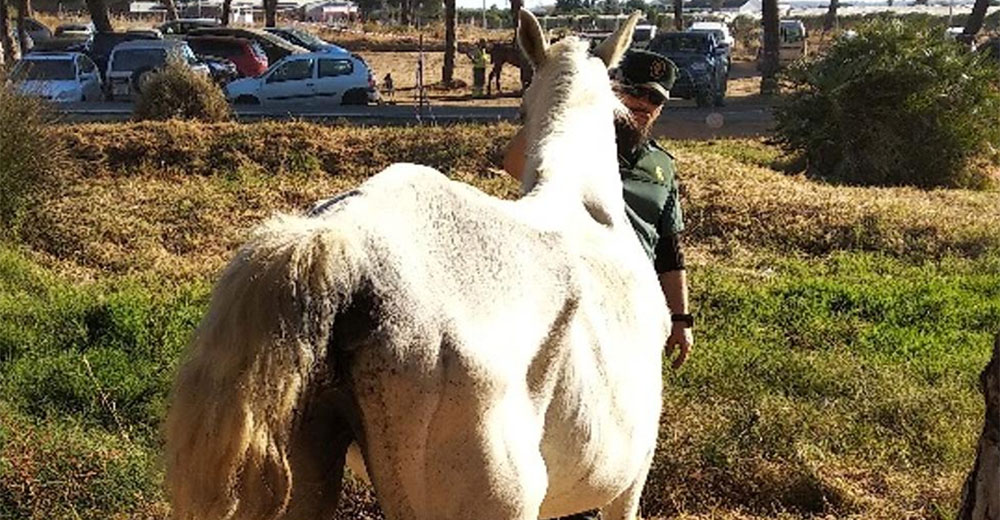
x=723, y=34
x=57, y=76
x=315, y=77
x=132, y=61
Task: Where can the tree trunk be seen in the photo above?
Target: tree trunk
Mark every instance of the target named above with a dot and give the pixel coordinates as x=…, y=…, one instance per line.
x=5, y=40
x=226, y=8
x=28, y=10
x=679, y=15
x=831, y=16
x=404, y=13
x=270, y=13
x=448, y=71
x=769, y=54
x=981, y=493
x=98, y=10
x=22, y=31
x=975, y=22
x=171, y=9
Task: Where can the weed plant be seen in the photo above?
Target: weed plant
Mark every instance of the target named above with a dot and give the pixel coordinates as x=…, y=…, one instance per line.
x=177, y=92
x=897, y=105
x=29, y=161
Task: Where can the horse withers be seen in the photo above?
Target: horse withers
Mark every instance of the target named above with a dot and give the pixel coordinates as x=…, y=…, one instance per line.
x=492, y=359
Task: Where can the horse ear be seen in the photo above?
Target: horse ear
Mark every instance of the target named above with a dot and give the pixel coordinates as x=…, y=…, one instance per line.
x=613, y=48
x=531, y=38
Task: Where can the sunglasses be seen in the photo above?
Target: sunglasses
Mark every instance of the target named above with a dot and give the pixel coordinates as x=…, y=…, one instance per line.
x=648, y=94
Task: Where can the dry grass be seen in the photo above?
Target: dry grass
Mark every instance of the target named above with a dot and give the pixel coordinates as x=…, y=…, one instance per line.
x=176, y=198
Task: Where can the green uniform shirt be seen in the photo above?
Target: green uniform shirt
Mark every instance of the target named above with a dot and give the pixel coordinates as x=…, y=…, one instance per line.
x=652, y=198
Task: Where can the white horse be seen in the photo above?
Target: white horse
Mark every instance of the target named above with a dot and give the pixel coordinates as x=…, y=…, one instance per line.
x=493, y=359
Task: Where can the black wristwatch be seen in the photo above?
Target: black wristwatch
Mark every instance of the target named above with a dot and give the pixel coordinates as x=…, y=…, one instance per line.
x=686, y=319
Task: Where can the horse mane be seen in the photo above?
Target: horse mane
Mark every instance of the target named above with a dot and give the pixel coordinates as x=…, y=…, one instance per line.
x=572, y=140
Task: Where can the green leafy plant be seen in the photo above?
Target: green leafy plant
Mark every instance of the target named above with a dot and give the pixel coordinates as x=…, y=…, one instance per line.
x=899, y=104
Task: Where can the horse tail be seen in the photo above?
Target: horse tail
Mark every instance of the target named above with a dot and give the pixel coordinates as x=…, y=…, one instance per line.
x=251, y=362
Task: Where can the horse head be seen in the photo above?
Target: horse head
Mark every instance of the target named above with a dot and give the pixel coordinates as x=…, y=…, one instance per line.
x=569, y=112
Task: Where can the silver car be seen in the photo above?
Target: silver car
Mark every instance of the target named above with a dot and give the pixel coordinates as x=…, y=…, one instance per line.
x=132, y=62
x=57, y=76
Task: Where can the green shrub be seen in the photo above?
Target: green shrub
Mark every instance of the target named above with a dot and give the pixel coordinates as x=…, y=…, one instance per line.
x=28, y=157
x=897, y=105
x=177, y=92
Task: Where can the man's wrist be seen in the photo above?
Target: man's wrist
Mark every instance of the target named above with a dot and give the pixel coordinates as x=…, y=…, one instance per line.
x=685, y=319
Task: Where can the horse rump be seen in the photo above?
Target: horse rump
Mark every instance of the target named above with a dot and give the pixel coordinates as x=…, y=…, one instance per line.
x=250, y=376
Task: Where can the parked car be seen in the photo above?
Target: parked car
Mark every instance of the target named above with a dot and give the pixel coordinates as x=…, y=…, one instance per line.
x=103, y=43
x=132, y=62
x=276, y=48
x=305, y=39
x=722, y=36
x=643, y=34
x=38, y=31
x=221, y=70
x=702, y=71
x=247, y=55
x=61, y=44
x=186, y=25
x=57, y=76
x=82, y=30
x=319, y=77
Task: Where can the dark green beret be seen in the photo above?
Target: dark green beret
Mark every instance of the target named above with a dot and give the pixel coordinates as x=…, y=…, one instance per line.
x=648, y=69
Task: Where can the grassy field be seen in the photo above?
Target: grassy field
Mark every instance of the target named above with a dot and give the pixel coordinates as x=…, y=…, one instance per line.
x=841, y=330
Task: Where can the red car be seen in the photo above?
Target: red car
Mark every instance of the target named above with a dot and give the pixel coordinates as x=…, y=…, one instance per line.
x=247, y=55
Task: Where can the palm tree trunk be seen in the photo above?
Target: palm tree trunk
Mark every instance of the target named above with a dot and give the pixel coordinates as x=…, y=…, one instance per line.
x=769, y=65
x=981, y=493
x=98, y=10
x=450, y=47
x=679, y=15
x=226, y=8
x=975, y=22
x=5, y=40
x=171, y=9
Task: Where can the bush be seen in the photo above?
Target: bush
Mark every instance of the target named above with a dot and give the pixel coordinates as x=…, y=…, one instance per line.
x=27, y=156
x=897, y=105
x=177, y=92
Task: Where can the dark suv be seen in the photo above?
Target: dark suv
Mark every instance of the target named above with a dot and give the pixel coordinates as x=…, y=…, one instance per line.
x=702, y=69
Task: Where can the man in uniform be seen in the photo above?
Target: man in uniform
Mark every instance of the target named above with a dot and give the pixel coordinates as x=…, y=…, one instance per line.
x=652, y=199
x=480, y=59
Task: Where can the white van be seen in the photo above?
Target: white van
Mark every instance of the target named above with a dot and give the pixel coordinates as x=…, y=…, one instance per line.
x=131, y=63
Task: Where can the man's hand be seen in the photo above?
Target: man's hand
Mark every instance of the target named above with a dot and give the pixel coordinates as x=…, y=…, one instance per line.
x=680, y=338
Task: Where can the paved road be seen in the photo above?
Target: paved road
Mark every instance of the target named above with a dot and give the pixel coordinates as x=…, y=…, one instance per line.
x=677, y=121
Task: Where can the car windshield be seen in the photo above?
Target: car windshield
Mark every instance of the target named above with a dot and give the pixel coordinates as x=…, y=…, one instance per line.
x=307, y=37
x=682, y=43
x=132, y=59
x=717, y=32
x=34, y=70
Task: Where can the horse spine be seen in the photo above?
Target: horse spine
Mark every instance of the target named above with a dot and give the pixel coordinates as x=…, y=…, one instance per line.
x=253, y=356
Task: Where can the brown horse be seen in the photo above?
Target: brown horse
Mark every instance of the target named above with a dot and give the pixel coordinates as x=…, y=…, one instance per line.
x=501, y=54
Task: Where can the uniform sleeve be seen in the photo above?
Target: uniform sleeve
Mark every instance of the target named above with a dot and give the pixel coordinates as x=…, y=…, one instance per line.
x=668, y=254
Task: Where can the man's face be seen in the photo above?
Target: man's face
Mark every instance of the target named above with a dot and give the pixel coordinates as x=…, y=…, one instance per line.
x=632, y=131
x=644, y=110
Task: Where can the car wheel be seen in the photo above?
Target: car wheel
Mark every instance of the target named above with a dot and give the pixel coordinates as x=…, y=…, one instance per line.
x=355, y=96
x=140, y=79
x=703, y=99
x=720, y=95
x=246, y=99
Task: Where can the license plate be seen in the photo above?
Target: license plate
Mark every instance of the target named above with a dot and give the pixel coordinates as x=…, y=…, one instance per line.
x=120, y=89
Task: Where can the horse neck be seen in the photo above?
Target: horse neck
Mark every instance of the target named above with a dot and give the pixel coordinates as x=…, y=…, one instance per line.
x=573, y=154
